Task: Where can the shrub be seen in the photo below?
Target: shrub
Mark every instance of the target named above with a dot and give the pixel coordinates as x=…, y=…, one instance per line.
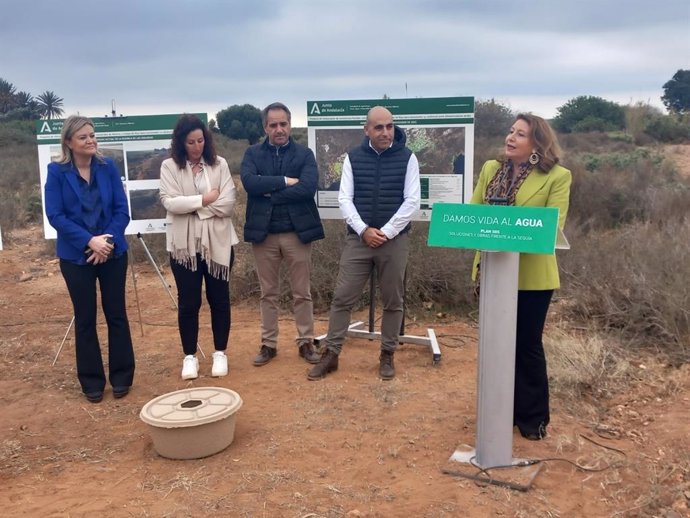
x=669, y=128
x=633, y=281
x=492, y=119
x=613, y=189
x=636, y=119
x=589, y=113
x=20, y=179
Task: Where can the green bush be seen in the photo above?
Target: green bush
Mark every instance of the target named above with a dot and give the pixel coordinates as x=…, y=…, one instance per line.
x=669, y=128
x=491, y=119
x=589, y=113
x=16, y=132
x=615, y=189
x=19, y=178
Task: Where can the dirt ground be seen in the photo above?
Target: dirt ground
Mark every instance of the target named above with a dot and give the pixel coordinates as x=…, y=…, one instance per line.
x=350, y=445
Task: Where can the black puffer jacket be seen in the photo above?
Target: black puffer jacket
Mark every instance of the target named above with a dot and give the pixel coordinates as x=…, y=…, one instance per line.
x=266, y=189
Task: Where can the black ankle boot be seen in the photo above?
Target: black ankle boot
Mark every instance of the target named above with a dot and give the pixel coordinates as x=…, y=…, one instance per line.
x=386, y=367
x=328, y=363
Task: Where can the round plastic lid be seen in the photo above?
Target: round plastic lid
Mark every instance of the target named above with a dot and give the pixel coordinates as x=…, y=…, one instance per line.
x=191, y=407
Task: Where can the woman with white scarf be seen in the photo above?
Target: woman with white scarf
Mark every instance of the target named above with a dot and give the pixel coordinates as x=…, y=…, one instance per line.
x=198, y=193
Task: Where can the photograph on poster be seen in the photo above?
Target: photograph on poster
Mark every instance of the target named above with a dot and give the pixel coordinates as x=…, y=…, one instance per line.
x=439, y=150
x=440, y=131
x=146, y=164
x=138, y=145
x=145, y=204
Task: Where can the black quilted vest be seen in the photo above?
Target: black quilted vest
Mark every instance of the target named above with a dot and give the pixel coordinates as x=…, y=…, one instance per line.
x=379, y=180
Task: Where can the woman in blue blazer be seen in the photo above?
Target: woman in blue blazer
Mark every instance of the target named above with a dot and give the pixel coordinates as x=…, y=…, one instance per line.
x=85, y=202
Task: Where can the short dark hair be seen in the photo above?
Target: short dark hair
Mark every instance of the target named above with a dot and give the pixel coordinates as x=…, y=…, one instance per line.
x=274, y=106
x=185, y=125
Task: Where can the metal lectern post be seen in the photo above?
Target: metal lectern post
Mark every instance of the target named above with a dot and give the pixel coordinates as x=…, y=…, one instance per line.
x=496, y=364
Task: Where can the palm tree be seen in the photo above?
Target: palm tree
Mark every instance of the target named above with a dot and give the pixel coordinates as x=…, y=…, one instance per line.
x=49, y=104
x=7, y=96
x=26, y=106
x=25, y=100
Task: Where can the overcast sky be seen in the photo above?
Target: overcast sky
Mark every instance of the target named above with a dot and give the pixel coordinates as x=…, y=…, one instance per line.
x=171, y=56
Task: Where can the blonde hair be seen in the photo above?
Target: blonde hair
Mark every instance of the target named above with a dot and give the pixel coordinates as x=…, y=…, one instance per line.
x=72, y=124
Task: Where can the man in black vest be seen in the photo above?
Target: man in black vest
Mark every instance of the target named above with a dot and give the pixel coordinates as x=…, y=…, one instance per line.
x=379, y=194
x=280, y=177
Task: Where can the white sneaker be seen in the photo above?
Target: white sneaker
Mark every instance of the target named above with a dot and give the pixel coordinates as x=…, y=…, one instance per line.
x=220, y=364
x=190, y=367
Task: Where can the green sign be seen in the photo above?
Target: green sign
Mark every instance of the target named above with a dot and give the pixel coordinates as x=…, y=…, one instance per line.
x=436, y=111
x=498, y=228
x=116, y=129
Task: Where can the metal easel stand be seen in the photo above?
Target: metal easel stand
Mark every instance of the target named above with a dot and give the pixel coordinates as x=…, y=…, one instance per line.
x=57, y=354
x=357, y=329
x=136, y=293
x=71, y=323
x=155, y=266
x=160, y=276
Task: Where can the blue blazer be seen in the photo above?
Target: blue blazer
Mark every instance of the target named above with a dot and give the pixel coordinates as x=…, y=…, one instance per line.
x=63, y=207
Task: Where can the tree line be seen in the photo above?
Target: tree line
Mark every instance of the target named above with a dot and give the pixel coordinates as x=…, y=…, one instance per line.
x=585, y=113
x=20, y=105
x=581, y=114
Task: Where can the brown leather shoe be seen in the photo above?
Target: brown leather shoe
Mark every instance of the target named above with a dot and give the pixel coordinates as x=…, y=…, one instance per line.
x=306, y=351
x=266, y=354
x=327, y=363
x=386, y=367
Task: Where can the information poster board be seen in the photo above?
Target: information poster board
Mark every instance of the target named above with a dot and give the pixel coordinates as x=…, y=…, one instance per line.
x=138, y=145
x=439, y=130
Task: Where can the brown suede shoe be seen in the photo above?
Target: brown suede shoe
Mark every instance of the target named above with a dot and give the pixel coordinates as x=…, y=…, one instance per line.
x=386, y=367
x=266, y=354
x=327, y=363
x=306, y=351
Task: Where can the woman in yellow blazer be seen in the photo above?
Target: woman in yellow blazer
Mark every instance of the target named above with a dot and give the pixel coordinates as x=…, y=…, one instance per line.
x=528, y=175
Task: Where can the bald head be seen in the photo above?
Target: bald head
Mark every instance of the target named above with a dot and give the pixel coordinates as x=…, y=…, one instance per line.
x=379, y=128
x=378, y=111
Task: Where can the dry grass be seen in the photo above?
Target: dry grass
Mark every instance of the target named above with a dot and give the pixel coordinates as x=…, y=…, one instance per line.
x=585, y=363
x=633, y=282
x=608, y=388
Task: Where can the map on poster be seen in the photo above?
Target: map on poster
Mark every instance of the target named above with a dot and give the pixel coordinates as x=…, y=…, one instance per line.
x=138, y=145
x=439, y=130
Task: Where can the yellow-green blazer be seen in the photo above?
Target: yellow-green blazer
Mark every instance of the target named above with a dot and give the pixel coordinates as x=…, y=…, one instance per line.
x=552, y=189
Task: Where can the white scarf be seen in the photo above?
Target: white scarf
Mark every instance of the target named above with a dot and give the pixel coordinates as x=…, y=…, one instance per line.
x=208, y=230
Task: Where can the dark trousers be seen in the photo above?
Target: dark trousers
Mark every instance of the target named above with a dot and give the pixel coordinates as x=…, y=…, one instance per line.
x=189, y=302
x=531, y=408
x=81, y=284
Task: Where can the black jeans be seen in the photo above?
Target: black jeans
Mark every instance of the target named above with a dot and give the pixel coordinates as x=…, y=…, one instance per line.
x=531, y=406
x=189, y=302
x=81, y=284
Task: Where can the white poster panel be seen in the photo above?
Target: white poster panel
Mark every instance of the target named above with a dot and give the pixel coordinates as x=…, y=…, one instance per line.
x=138, y=145
x=440, y=131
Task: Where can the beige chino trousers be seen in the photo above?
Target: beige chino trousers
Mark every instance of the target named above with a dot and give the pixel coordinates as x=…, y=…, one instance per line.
x=268, y=257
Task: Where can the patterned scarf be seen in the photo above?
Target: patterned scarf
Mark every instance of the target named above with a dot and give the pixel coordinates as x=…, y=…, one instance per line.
x=501, y=191
x=505, y=184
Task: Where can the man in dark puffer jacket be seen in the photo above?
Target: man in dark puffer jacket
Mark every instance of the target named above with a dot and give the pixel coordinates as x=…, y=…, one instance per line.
x=379, y=194
x=280, y=177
